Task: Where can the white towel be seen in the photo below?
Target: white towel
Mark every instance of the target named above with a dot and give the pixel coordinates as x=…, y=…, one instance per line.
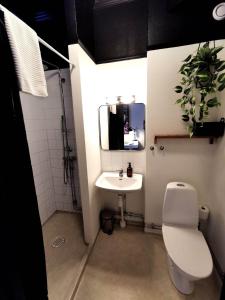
x=26, y=54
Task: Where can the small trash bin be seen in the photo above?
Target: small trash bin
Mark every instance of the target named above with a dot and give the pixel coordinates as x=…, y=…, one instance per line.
x=106, y=221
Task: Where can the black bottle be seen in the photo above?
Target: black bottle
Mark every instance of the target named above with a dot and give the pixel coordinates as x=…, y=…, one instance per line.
x=129, y=170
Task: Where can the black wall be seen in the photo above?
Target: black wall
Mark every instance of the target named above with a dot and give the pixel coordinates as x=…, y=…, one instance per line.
x=85, y=25
x=71, y=21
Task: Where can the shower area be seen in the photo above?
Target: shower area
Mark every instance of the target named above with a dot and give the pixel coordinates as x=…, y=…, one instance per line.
x=51, y=139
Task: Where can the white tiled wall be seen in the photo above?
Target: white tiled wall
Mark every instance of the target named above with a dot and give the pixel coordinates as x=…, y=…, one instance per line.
x=43, y=126
x=53, y=111
x=115, y=160
x=35, y=123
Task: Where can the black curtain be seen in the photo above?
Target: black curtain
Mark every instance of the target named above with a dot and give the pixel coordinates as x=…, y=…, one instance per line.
x=222, y=295
x=22, y=260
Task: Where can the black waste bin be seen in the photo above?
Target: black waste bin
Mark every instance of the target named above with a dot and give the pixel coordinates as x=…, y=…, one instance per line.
x=107, y=221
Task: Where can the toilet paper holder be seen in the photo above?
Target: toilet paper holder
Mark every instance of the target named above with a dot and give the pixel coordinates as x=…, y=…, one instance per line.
x=203, y=218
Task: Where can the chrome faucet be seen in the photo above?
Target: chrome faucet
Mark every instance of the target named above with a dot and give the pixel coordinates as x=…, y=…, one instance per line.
x=121, y=173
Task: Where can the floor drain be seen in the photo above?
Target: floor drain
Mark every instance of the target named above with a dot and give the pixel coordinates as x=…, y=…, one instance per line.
x=58, y=242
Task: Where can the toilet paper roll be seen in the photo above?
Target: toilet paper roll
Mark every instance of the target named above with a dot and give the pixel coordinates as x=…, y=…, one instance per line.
x=203, y=213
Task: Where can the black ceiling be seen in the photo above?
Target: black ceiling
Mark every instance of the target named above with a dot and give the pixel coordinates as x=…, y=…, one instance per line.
x=120, y=29
x=111, y=30
x=181, y=22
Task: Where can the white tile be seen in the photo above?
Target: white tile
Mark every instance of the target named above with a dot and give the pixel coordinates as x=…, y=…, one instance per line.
x=116, y=160
x=106, y=160
x=51, y=133
x=68, y=207
x=57, y=163
x=127, y=157
x=59, y=143
x=52, y=143
x=56, y=153
x=58, y=173
x=59, y=206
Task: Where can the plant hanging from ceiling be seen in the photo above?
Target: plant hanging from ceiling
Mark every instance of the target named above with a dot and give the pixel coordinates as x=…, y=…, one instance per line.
x=203, y=74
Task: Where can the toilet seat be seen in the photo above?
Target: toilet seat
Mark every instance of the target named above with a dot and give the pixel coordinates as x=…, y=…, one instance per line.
x=188, y=250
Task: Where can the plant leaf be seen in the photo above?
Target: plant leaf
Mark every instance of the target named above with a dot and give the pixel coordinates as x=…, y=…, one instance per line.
x=185, y=118
x=178, y=89
x=222, y=67
x=212, y=102
x=218, y=63
x=221, y=78
x=215, y=50
x=206, y=45
x=200, y=63
x=203, y=76
x=187, y=91
x=179, y=101
x=183, y=80
x=221, y=87
x=188, y=58
x=190, y=130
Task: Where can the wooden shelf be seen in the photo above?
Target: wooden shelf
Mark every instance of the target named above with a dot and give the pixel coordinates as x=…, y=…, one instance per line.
x=181, y=136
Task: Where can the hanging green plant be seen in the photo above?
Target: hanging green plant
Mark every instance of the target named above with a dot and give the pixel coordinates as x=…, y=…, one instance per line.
x=203, y=74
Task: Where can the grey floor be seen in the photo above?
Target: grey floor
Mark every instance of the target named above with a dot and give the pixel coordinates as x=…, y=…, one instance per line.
x=63, y=264
x=131, y=265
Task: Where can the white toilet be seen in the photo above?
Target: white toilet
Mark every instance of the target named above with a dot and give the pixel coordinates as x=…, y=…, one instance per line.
x=189, y=258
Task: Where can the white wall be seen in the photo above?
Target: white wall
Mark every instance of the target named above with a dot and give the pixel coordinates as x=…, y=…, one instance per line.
x=216, y=229
x=91, y=84
x=216, y=226
x=124, y=78
x=187, y=160
x=194, y=161
x=42, y=118
x=83, y=80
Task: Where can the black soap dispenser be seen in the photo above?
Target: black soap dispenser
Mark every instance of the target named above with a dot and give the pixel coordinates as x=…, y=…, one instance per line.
x=129, y=170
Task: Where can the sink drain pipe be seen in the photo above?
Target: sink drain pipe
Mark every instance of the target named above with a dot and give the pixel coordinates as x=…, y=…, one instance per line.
x=121, y=206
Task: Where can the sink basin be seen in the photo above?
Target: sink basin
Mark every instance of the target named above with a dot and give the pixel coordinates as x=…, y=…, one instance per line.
x=112, y=182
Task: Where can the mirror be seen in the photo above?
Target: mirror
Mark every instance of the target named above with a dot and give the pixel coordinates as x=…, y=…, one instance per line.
x=122, y=126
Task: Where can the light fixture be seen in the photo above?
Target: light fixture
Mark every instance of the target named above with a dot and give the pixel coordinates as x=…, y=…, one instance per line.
x=219, y=11
x=127, y=99
x=120, y=99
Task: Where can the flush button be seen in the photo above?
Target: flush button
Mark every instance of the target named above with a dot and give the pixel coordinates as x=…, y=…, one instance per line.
x=180, y=184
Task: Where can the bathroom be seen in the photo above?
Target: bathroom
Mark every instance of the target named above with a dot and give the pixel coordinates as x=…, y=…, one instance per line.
x=121, y=64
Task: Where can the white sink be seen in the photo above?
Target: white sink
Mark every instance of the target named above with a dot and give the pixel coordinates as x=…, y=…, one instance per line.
x=112, y=182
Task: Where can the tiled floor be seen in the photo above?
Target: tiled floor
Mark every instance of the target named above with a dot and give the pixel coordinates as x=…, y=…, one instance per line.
x=131, y=265
x=63, y=264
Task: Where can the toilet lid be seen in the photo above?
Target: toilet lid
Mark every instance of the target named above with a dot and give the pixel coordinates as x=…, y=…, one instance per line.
x=188, y=250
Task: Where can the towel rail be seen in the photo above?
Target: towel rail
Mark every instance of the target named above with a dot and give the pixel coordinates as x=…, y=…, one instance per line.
x=46, y=44
x=55, y=51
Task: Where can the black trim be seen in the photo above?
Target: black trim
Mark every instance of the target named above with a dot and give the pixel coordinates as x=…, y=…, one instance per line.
x=22, y=258
x=121, y=59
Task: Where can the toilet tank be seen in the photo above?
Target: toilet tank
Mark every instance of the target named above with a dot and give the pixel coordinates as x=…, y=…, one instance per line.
x=180, y=205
